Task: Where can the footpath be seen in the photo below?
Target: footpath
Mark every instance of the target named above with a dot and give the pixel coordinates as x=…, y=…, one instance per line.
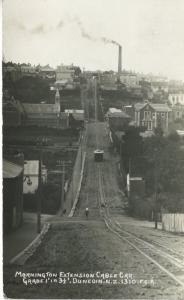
x=16, y=241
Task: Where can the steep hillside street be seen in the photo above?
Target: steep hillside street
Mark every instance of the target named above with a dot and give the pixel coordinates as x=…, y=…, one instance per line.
x=93, y=258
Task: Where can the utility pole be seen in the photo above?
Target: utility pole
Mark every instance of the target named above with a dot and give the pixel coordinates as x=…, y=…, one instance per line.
x=81, y=143
x=61, y=164
x=95, y=100
x=95, y=96
x=156, y=194
x=129, y=166
x=62, y=186
x=129, y=172
x=39, y=198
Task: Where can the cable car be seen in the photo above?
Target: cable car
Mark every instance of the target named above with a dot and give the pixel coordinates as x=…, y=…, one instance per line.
x=98, y=155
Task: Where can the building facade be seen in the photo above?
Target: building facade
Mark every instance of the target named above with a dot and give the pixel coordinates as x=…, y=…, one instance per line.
x=129, y=79
x=176, y=98
x=28, y=70
x=43, y=114
x=177, y=112
x=47, y=72
x=64, y=73
x=152, y=115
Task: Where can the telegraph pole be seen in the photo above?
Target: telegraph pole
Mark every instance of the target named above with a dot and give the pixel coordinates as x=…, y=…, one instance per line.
x=39, y=195
x=62, y=165
x=62, y=186
x=95, y=100
x=156, y=196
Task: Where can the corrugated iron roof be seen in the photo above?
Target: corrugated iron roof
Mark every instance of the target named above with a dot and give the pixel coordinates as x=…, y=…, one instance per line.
x=11, y=170
x=41, y=108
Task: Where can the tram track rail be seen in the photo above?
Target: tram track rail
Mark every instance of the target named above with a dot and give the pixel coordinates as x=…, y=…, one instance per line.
x=165, y=248
x=171, y=264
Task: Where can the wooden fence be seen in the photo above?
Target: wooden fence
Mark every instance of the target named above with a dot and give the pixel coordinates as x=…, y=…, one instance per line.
x=173, y=222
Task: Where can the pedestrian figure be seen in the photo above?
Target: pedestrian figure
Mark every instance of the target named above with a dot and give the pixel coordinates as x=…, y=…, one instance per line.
x=87, y=212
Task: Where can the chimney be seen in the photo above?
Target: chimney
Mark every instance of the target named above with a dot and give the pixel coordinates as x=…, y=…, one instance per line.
x=119, y=61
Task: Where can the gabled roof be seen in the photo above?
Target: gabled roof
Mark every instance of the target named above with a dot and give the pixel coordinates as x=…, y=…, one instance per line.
x=41, y=108
x=160, y=107
x=139, y=106
x=11, y=170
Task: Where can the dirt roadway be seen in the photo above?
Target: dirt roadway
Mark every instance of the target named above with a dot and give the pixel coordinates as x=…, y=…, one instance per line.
x=77, y=246
x=97, y=250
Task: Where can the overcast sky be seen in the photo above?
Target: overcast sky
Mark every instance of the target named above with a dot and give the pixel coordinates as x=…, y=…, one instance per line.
x=151, y=33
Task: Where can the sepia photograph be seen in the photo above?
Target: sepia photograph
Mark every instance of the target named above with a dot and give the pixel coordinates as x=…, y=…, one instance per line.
x=93, y=149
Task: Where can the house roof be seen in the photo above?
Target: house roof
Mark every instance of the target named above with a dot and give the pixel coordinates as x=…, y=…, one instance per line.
x=41, y=108
x=46, y=69
x=139, y=106
x=117, y=113
x=113, y=110
x=121, y=114
x=160, y=107
x=11, y=170
x=31, y=167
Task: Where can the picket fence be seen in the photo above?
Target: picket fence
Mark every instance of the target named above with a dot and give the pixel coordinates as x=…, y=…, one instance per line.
x=173, y=222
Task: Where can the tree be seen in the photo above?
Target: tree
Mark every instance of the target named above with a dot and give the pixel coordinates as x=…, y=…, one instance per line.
x=164, y=168
x=131, y=145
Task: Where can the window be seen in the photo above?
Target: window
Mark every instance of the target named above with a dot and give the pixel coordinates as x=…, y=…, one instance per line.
x=153, y=115
x=162, y=115
x=147, y=114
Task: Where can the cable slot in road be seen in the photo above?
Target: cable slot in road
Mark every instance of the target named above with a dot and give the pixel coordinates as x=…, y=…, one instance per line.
x=143, y=247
